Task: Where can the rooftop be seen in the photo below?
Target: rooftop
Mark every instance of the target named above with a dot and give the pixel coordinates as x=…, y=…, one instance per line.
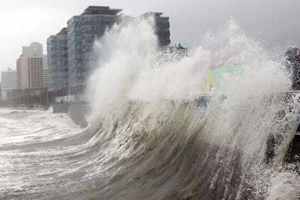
x=96, y=10
x=156, y=14
x=62, y=31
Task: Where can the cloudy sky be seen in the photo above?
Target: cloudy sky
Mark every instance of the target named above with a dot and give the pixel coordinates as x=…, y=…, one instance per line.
x=275, y=23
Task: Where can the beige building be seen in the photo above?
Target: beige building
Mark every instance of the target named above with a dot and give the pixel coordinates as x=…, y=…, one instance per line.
x=30, y=67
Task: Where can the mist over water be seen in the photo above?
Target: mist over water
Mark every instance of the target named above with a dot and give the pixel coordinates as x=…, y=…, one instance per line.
x=148, y=138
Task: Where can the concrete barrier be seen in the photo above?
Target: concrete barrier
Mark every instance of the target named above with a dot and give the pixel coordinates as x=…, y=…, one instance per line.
x=77, y=112
x=60, y=107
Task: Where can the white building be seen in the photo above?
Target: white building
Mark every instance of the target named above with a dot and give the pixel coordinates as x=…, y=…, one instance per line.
x=9, y=82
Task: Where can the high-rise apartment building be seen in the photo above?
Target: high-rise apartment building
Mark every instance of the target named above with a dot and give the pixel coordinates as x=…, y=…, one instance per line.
x=57, y=51
x=83, y=30
x=30, y=67
x=161, y=26
x=71, y=55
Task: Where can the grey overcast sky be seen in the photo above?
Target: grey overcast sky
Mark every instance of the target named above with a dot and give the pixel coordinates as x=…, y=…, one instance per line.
x=273, y=22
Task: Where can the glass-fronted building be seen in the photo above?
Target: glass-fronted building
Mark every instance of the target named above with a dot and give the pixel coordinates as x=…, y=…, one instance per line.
x=83, y=30
x=162, y=27
x=57, y=48
x=71, y=55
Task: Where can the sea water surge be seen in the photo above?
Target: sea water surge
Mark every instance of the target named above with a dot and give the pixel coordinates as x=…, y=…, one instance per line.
x=149, y=138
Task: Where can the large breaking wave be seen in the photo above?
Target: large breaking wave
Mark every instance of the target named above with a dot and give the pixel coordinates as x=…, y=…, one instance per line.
x=151, y=138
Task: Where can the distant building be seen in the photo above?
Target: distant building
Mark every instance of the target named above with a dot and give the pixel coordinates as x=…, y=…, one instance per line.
x=83, y=30
x=45, y=74
x=71, y=55
x=178, y=50
x=45, y=77
x=162, y=27
x=35, y=50
x=9, y=82
x=30, y=67
x=57, y=49
x=172, y=53
x=293, y=65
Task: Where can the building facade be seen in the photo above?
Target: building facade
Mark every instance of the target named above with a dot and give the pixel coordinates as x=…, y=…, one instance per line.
x=57, y=52
x=30, y=67
x=161, y=26
x=293, y=65
x=45, y=73
x=9, y=82
x=83, y=30
x=71, y=55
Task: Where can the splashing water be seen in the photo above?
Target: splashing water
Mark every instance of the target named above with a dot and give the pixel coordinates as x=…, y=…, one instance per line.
x=150, y=139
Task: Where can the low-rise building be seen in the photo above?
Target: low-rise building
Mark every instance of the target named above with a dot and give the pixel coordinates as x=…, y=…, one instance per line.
x=9, y=82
